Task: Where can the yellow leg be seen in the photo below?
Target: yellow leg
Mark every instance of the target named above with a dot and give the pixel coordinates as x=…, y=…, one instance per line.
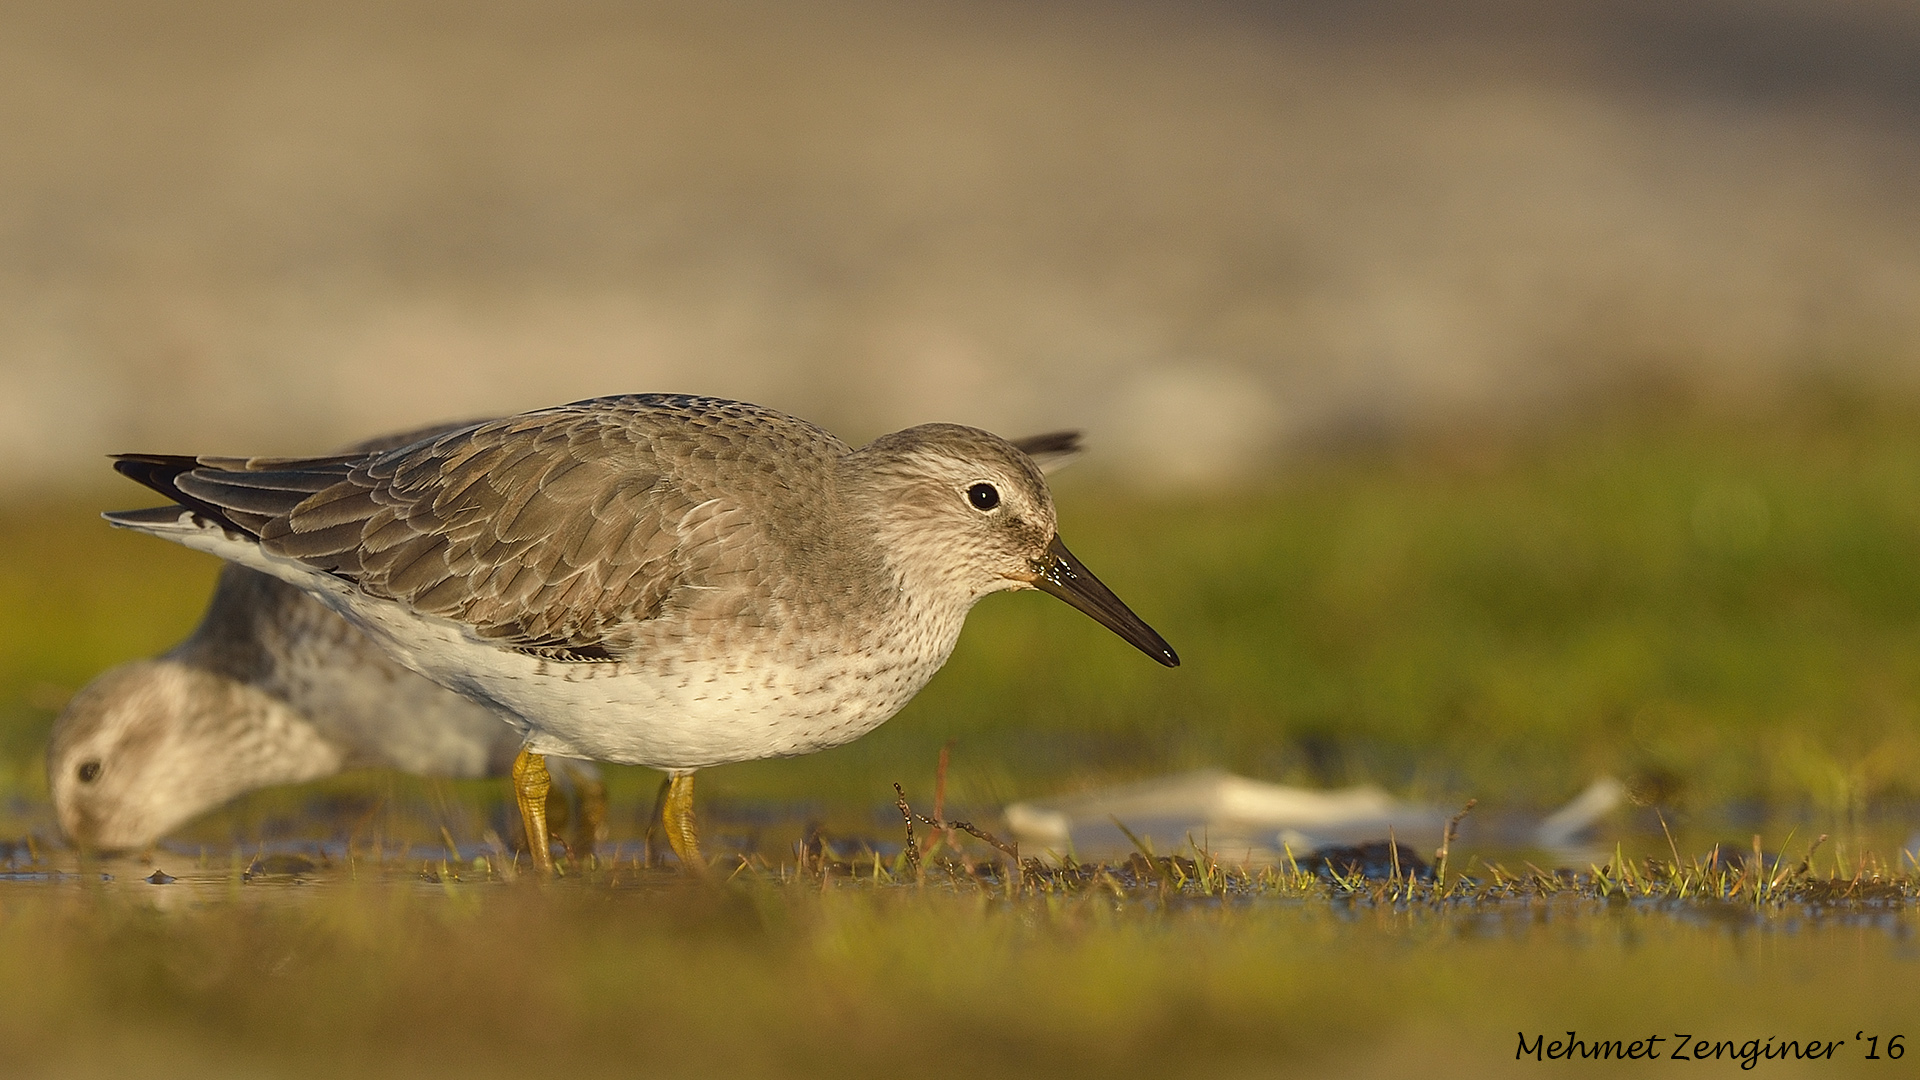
x=577, y=810
x=654, y=819
x=677, y=816
x=559, y=811
x=590, y=818
x=530, y=786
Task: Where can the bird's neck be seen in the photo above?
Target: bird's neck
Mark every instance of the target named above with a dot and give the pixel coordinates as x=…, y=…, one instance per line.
x=253, y=739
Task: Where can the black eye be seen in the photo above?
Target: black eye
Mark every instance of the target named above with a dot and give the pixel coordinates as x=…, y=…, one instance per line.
x=983, y=496
x=89, y=770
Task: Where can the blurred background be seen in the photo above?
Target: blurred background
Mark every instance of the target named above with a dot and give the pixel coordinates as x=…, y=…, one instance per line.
x=1208, y=233
x=1483, y=397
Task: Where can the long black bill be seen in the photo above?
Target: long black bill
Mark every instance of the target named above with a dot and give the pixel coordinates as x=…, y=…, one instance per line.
x=1062, y=575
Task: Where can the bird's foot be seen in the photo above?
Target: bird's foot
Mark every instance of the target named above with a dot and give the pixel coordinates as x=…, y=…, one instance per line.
x=531, y=785
x=677, y=817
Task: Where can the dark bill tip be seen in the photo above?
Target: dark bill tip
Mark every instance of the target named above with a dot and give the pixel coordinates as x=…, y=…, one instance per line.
x=1059, y=573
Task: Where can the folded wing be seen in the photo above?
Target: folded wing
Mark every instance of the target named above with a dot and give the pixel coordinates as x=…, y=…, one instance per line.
x=557, y=532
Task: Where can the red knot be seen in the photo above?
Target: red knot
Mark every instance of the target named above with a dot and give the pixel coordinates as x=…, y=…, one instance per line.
x=657, y=580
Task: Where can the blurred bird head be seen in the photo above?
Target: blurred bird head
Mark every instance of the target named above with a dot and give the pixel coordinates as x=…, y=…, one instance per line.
x=149, y=745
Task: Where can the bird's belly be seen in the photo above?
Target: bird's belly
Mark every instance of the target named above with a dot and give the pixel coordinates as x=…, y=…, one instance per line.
x=668, y=711
x=693, y=714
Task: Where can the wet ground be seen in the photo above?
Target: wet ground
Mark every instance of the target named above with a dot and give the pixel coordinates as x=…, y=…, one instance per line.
x=303, y=958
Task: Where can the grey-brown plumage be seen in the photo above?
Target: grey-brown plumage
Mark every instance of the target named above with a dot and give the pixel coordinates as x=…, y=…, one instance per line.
x=652, y=579
x=564, y=532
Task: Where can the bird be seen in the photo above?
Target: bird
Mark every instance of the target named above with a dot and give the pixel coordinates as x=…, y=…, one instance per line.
x=665, y=580
x=274, y=688
x=271, y=688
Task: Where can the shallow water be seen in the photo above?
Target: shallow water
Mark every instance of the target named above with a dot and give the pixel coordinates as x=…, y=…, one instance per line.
x=388, y=930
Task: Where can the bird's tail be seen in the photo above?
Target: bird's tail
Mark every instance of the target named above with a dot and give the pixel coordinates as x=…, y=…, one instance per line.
x=239, y=495
x=162, y=473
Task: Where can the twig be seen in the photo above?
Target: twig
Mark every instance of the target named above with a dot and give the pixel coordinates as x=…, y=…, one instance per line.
x=1446, y=842
x=1806, y=867
x=1011, y=851
x=906, y=815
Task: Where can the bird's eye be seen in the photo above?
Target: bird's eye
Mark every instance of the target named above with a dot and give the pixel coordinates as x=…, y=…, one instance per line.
x=89, y=770
x=983, y=496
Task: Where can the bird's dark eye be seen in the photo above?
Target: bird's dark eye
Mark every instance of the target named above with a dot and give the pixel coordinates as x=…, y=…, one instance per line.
x=89, y=770
x=983, y=496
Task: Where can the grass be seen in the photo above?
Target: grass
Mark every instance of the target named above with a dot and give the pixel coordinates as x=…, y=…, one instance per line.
x=1719, y=605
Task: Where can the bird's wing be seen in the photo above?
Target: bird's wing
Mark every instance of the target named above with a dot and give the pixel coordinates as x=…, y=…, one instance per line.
x=248, y=606
x=554, y=532
x=397, y=439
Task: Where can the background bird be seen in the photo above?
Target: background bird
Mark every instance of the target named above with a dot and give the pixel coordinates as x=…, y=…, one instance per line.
x=271, y=688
